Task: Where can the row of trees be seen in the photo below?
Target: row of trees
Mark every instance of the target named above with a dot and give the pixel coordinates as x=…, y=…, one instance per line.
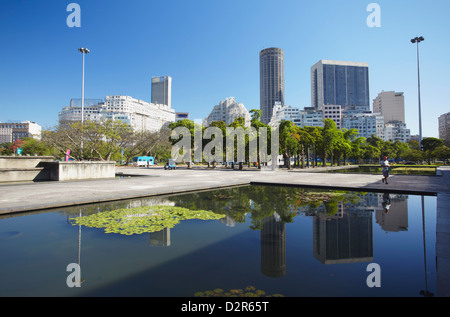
x=310, y=146
x=314, y=146
x=109, y=140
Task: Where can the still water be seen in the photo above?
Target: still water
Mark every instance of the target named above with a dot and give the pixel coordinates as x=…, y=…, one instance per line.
x=270, y=241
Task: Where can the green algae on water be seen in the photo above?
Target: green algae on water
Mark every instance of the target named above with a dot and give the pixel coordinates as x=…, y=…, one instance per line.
x=129, y=221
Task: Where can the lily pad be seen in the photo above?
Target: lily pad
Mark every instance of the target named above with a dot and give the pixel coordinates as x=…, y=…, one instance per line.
x=140, y=220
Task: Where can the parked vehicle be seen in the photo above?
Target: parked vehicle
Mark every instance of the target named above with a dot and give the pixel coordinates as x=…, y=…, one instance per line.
x=170, y=165
x=143, y=160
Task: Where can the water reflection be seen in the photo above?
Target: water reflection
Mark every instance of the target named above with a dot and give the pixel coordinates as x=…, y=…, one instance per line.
x=343, y=230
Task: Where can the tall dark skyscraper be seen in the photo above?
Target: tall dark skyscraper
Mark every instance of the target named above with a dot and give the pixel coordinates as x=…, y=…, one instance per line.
x=340, y=83
x=271, y=70
x=162, y=90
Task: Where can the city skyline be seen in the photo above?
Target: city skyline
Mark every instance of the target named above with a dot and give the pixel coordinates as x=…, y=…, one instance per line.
x=211, y=50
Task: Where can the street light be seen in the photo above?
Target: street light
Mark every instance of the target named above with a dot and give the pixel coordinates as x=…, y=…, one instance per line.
x=84, y=51
x=418, y=40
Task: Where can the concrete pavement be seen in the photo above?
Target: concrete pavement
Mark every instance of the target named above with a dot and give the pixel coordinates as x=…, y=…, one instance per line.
x=141, y=182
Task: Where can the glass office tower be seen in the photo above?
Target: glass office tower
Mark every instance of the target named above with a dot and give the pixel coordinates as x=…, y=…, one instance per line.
x=162, y=90
x=340, y=83
x=271, y=68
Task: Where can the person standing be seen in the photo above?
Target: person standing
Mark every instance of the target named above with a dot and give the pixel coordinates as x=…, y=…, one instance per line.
x=385, y=170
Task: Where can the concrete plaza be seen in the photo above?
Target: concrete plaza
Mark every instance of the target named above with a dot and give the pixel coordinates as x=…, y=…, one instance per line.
x=142, y=182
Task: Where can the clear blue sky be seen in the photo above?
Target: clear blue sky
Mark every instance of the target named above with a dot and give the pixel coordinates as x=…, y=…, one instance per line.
x=211, y=50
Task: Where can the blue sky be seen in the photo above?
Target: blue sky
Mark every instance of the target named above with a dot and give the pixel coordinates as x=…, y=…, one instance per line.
x=211, y=50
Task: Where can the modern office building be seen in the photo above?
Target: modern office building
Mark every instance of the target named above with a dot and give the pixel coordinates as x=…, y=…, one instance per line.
x=391, y=105
x=162, y=90
x=444, y=126
x=11, y=132
x=340, y=83
x=227, y=111
x=141, y=115
x=271, y=68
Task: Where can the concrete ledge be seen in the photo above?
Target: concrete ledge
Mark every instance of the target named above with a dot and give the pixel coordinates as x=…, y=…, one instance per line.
x=21, y=162
x=23, y=174
x=62, y=171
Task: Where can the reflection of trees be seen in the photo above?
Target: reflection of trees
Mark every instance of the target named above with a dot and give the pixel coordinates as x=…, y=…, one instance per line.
x=264, y=201
x=258, y=202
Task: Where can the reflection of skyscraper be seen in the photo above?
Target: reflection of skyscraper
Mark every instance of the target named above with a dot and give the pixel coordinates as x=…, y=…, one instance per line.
x=346, y=239
x=273, y=247
x=160, y=238
x=271, y=70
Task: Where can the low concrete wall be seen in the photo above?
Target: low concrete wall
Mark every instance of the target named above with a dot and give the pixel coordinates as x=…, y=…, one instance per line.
x=23, y=175
x=62, y=171
x=21, y=162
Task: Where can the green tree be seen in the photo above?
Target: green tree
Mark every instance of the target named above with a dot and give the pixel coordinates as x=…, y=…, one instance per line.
x=331, y=138
x=288, y=141
x=429, y=146
x=33, y=146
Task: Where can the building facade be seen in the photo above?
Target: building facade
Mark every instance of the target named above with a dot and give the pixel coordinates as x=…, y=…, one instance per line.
x=334, y=113
x=271, y=68
x=444, y=126
x=308, y=117
x=227, y=111
x=162, y=90
x=340, y=83
x=366, y=124
x=139, y=114
x=396, y=131
x=11, y=132
x=181, y=116
x=391, y=105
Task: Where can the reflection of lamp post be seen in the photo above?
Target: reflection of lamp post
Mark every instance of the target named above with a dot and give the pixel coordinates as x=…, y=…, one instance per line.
x=425, y=292
x=83, y=51
x=418, y=40
x=79, y=250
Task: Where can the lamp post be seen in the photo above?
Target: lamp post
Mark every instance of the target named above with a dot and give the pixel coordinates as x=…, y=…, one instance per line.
x=83, y=51
x=418, y=40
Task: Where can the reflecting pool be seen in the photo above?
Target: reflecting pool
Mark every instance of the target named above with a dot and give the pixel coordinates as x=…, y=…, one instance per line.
x=253, y=240
x=394, y=170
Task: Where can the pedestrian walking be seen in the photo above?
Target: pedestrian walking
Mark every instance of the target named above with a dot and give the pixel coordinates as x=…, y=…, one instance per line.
x=385, y=170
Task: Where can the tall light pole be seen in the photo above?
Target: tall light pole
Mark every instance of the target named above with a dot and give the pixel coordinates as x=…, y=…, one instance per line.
x=83, y=51
x=418, y=40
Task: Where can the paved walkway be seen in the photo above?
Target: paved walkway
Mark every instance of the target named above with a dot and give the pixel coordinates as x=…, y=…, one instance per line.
x=21, y=197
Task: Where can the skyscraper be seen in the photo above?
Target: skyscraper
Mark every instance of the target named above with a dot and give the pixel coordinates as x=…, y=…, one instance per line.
x=444, y=126
x=271, y=72
x=340, y=83
x=162, y=90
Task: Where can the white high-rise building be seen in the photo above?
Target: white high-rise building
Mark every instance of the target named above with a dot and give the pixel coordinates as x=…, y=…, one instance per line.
x=227, y=111
x=139, y=114
x=366, y=124
x=391, y=105
x=308, y=117
x=396, y=131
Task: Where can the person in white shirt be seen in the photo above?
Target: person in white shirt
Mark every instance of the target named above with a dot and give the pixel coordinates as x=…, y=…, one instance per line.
x=385, y=170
